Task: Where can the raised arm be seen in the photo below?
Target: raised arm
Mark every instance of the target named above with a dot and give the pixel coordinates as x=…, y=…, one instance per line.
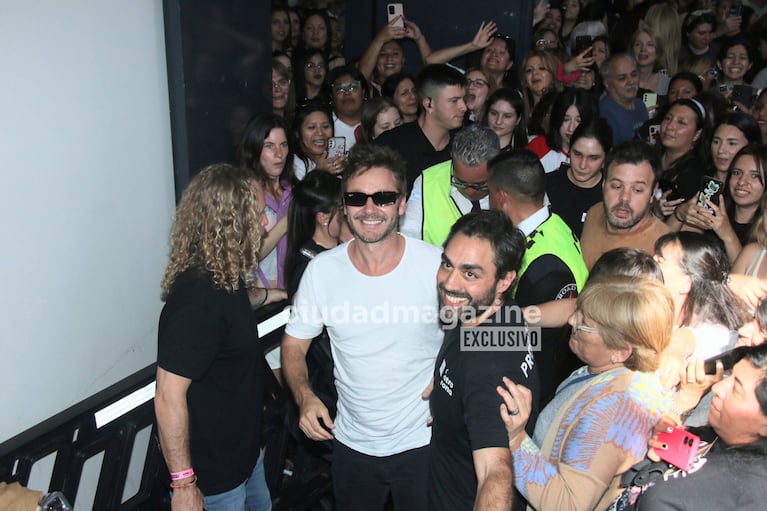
x=414, y=32
x=388, y=32
x=481, y=40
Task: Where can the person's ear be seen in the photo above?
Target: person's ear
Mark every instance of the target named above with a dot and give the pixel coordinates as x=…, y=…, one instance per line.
x=505, y=283
x=322, y=219
x=620, y=356
x=763, y=427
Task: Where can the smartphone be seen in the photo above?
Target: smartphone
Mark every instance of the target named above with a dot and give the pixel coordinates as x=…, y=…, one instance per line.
x=336, y=146
x=394, y=10
x=665, y=185
x=581, y=43
x=710, y=189
x=650, y=99
x=654, y=131
x=743, y=94
x=681, y=447
x=735, y=10
x=728, y=359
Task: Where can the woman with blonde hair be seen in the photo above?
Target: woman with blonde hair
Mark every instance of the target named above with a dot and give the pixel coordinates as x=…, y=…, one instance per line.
x=210, y=364
x=605, y=414
x=664, y=22
x=283, y=91
x=539, y=76
x=649, y=54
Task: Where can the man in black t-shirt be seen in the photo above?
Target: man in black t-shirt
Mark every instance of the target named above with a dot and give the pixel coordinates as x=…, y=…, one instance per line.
x=426, y=141
x=470, y=463
x=210, y=366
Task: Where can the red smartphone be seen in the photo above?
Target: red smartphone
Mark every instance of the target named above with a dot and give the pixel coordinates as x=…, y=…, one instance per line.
x=681, y=447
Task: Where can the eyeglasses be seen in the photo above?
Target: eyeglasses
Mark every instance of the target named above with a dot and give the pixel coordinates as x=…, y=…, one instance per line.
x=580, y=327
x=380, y=199
x=314, y=65
x=480, y=187
x=280, y=84
x=343, y=88
x=479, y=82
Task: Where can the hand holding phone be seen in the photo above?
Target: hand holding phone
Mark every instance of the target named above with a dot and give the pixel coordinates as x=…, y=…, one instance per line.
x=681, y=447
x=582, y=42
x=336, y=146
x=394, y=11
x=710, y=190
x=728, y=359
x=743, y=94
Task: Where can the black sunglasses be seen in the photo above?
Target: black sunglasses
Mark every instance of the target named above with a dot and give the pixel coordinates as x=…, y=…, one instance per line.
x=359, y=199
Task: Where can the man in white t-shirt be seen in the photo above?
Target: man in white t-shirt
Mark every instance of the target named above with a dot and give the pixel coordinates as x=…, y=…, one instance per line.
x=377, y=297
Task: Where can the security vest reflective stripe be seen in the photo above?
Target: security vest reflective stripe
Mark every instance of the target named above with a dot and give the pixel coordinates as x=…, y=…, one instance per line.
x=554, y=237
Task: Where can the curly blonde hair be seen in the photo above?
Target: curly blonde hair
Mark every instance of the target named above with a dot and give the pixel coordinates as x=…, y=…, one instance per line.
x=217, y=228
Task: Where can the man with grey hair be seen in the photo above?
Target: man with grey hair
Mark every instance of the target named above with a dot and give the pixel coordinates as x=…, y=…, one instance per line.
x=620, y=106
x=445, y=192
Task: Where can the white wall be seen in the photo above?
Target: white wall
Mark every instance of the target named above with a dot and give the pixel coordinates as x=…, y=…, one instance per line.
x=86, y=199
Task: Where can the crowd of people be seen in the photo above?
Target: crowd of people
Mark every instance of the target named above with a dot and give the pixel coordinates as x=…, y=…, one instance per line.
x=601, y=203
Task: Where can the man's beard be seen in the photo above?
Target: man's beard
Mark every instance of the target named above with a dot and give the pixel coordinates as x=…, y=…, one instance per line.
x=474, y=308
x=625, y=223
x=366, y=239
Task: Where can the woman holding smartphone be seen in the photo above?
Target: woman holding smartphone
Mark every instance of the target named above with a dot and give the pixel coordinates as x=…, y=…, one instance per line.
x=730, y=472
x=313, y=127
x=731, y=219
x=682, y=135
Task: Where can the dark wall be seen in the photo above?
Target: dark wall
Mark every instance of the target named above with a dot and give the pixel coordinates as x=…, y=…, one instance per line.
x=219, y=75
x=444, y=23
x=219, y=54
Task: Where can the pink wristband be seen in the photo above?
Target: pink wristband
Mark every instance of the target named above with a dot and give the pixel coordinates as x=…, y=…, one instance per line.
x=175, y=476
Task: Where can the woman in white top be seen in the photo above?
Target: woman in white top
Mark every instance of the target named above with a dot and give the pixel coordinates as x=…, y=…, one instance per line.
x=695, y=271
x=312, y=127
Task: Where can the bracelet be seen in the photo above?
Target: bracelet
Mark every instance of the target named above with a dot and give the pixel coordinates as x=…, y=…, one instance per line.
x=677, y=216
x=266, y=295
x=183, y=474
x=181, y=486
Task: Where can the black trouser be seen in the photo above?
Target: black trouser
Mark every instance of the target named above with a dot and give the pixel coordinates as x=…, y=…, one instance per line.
x=362, y=482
